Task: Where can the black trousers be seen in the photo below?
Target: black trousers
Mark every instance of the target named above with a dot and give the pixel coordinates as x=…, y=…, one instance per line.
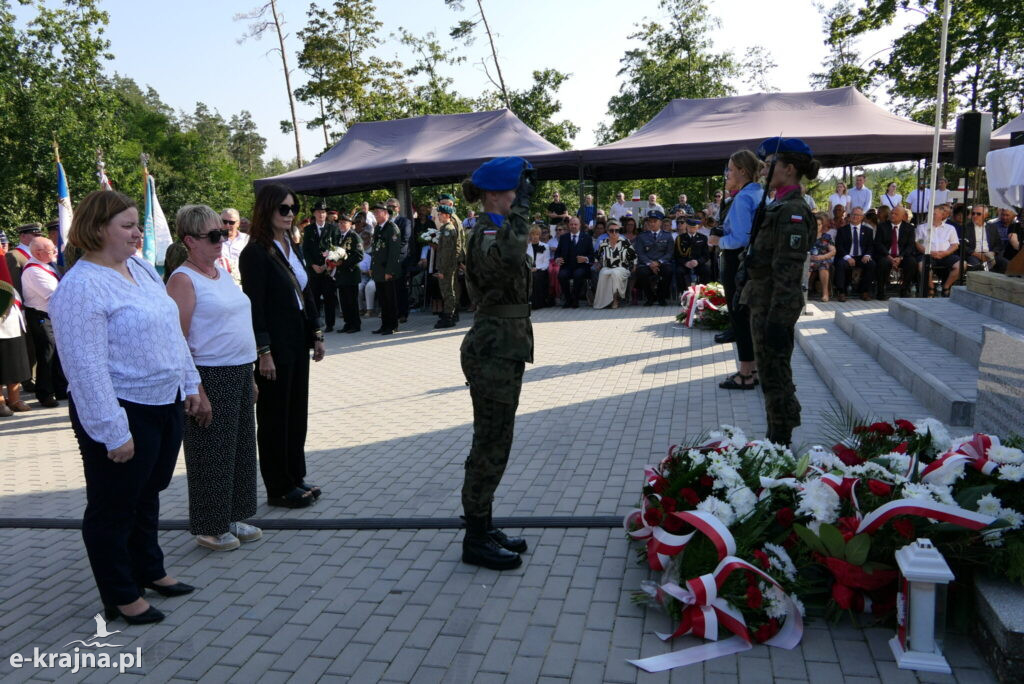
x=325, y=295
x=123, y=499
x=908, y=267
x=387, y=294
x=49, y=375
x=348, y=296
x=579, y=274
x=683, y=274
x=539, y=295
x=654, y=285
x=402, y=295
x=844, y=274
x=282, y=412
x=739, y=316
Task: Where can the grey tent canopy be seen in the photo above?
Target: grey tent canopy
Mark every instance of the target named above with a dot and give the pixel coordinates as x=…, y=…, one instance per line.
x=423, y=150
x=1003, y=132
x=696, y=137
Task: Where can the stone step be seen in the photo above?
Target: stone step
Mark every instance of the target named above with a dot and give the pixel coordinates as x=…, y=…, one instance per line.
x=841, y=362
x=1008, y=313
x=946, y=385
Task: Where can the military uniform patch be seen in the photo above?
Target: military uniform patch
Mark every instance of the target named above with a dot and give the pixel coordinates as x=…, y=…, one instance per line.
x=795, y=241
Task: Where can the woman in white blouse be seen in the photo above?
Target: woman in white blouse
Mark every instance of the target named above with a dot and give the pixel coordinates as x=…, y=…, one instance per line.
x=616, y=257
x=839, y=198
x=891, y=198
x=541, y=255
x=216, y=319
x=130, y=375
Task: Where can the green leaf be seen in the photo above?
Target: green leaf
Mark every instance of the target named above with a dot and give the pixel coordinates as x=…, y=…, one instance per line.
x=833, y=540
x=802, y=465
x=809, y=538
x=857, y=549
x=969, y=496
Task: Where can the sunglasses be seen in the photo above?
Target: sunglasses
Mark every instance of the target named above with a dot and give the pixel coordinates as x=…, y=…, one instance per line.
x=613, y=230
x=214, y=236
x=285, y=209
x=228, y=223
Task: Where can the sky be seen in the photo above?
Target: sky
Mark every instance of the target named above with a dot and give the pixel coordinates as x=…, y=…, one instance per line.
x=188, y=51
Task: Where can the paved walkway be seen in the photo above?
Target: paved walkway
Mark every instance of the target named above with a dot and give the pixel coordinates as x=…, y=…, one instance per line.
x=390, y=428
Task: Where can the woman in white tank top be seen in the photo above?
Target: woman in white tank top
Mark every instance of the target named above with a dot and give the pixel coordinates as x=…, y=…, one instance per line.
x=216, y=319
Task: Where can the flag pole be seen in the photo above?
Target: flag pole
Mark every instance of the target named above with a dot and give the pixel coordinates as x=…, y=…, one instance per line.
x=939, y=103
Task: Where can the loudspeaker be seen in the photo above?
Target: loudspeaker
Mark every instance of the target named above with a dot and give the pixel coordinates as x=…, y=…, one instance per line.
x=973, y=131
x=1016, y=138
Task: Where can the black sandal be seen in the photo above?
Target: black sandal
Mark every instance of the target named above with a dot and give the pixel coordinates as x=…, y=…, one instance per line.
x=753, y=374
x=297, y=498
x=312, y=489
x=731, y=384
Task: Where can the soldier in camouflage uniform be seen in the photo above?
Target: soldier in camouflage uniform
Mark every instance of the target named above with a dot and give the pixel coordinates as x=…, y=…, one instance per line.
x=775, y=263
x=448, y=255
x=496, y=348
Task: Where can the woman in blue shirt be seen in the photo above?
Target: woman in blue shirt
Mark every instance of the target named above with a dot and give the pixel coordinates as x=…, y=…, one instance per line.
x=741, y=183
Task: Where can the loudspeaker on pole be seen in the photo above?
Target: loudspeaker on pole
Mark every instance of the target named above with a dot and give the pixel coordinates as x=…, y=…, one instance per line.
x=973, y=132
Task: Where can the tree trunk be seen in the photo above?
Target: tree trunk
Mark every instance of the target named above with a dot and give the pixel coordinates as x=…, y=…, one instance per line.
x=494, y=53
x=323, y=118
x=287, y=83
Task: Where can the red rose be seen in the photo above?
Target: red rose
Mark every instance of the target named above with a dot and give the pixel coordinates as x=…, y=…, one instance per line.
x=707, y=481
x=659, y=484
x=903, y=527
x=882, y=428
x=766, y=631
x=847, y=455
x=905, y=425
x=901, y=448
x=845, y=597
x=848, y=526
x=860, y=429
x=785, y=516
x=754, y=597
x=689, y=496
x=668, y=504
x=791, y=541
x=879, y=488
x=763, y=559
x=653, y=517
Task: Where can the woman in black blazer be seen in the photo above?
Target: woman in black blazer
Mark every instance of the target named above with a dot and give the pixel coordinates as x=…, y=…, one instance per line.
x=286, y=325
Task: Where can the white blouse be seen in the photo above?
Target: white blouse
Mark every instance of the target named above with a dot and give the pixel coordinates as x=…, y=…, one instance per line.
x=542, y=258
x=297, y=268
x=119, y=340
x=835, y=199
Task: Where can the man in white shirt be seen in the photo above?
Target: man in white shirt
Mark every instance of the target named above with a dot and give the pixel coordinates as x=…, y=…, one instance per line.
x=232, y=247
x=942, y=192
x=919, y=201
x=39, y=280
x=652, y=205
x=943, y=247
x=860, y=196
x=619, y=208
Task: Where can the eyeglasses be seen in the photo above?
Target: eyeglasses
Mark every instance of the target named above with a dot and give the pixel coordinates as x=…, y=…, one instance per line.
x=977, y=213
x=228, y=223
x=214, y=236
x=613, y=230
x=285, y=209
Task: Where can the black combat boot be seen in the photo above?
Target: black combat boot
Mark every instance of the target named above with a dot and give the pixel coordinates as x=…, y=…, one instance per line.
x=517, y=544
x=446, y=321
x=478, y=548
x=781, y=436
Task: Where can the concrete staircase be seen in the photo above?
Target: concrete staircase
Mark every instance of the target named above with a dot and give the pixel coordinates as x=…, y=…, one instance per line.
x=928, y=348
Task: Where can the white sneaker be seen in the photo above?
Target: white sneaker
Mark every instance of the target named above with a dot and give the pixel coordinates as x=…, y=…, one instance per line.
x=221, y=542
x=245, y=532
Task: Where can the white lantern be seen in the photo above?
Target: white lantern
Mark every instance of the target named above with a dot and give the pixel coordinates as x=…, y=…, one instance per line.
x=921, y=608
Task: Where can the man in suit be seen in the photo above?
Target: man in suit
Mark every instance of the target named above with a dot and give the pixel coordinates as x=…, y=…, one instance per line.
x=409, y=256
x=654, y=249
x=386, y=268
x=982, y=243
x=854, y=246
x=894, y=250
x=1010, y=232
x=575, y=254
x=348, y=276
x=319, y=238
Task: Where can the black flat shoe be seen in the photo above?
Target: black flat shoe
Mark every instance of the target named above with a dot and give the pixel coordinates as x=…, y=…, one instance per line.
x=726, y=336
x=150, y=616
x=312, y=489
x=297, y=498
x=176, y=589
x=731, y=383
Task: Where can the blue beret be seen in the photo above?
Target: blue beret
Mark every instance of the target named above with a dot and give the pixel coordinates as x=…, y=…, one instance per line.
x=500, y=173
x=445, y=209
x=777, y=144
x=693, y=222
x=655, y=214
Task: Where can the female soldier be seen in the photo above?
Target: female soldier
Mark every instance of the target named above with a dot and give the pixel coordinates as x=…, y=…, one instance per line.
x=496, y=348
x=775, y=264
x=447, y=255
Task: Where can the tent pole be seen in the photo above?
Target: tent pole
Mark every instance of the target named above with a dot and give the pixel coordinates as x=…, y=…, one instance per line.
x=580, y=186
x=404, y=196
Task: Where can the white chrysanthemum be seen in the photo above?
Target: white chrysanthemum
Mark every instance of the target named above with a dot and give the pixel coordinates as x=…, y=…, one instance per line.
x=780, y=560
x=1012, y=517
x=943, y=494
x=989, y=505
x=819, y=501
x=1003, y=454
x=719, y=509
x=731, y=434
x=898, y=463
x=776, y=604
x=941, y=440
x=696, y=457
x=917, y=490
x=994, y=538
x=826, y=460
x=726, y=477
x=1013, y=473
x=799, y=604
x=743, y=500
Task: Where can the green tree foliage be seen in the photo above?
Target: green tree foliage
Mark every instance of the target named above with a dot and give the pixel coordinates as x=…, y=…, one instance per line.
x=984, y=64
x=843, y=66
x=536, y=107
x=677, y=60
x=434, y=93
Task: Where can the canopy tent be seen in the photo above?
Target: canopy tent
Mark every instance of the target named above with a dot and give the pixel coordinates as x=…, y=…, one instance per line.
x=696, y=137
x=423, y=150
x=1003, y=132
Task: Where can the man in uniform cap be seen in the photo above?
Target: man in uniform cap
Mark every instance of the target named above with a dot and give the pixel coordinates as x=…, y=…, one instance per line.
x=319, y=238
x=654, y=251
x=386, y=268
x=16, y=260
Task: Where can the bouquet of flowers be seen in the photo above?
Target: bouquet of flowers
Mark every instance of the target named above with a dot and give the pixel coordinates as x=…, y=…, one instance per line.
x=704, y=305
x=334, y=256
x=745, y=534
x=429, y=236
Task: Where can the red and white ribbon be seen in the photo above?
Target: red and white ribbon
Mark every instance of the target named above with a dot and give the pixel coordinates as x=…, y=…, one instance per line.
x=974, y=452
x=924, y=509
x=693, y=301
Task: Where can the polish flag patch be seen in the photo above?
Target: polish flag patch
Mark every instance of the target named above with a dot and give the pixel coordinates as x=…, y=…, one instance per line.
x=796, y=219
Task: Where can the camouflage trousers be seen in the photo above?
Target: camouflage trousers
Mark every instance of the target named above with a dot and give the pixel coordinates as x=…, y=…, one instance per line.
x=776, y=375
x=494, y=386
x=447, y=286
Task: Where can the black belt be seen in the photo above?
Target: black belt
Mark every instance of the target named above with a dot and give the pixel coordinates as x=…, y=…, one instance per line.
x=36, y=312
x=504, y=310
